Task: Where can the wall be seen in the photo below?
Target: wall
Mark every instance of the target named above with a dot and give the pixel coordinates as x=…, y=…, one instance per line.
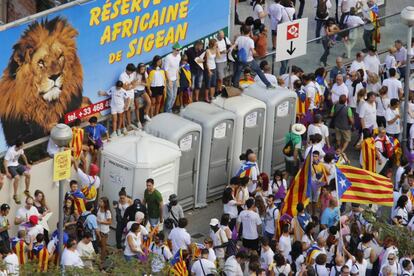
x=17, y=9
x=42, y=175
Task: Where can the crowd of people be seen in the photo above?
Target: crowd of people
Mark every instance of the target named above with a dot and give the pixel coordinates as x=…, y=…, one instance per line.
x=362, y=104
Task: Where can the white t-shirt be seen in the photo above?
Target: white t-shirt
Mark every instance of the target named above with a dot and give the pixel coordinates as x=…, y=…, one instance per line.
x=352, y=21
x=86, y=251
x=23, y=213
x=231, y=208
x=320, y=129
x=271, y=215
x=12, y=264
x=210, y=59
x=368, y=113
x=311, y=91
x=144, y=230
x=395, y=127
x=372, y=64
x=103, y=216
x=127, y=79
x=352, y=98
x=87, y=180
x=222, y=47
x=71, y=258
x=161, y=255
x=158, y=78
x=139, y=86
x=271, y=78
x=285, y=269
x=285, y=245
x=266, y=258
x=382, y=105
x=32, y=232
x=247, y=44
x=275, y=13
x=232, y=267
x=250, y=221
x=208, y=267
x=393, y=86
x=180, y=239
x=390, y=62
x=254, y=173
x=410, y=119
x=356, y=65
x=118, y=97
x=287, y=14
x=12, y=156
x=172, y=66
x=136, y=242
x=339, y=90
x=258, y=9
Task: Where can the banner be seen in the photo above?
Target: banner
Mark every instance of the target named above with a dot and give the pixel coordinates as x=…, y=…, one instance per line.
x=53, y=67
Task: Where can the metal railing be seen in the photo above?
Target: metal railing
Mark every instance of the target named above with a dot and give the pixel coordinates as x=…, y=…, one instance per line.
x=270, y=55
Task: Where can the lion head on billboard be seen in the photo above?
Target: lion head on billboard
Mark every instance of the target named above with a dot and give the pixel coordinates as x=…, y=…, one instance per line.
x=42, y=82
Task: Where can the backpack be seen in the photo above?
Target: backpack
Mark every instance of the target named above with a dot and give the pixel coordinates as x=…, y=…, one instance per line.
x=162, y=250
x=81, y=228
x=242, y=55
x=289, y=148
x=322, y=9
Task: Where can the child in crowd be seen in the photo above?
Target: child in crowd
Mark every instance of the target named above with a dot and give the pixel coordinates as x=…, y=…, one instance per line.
x=157, y=83
x=247, y=78
x=95, y=132
x=4, y=225
x=185, y=93
x=340, y=157
x=38, y=251
x=119, y=101
x=140, y=92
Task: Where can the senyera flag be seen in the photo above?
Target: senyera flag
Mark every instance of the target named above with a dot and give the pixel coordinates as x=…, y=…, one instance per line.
x=300, y=188
x=361, y=186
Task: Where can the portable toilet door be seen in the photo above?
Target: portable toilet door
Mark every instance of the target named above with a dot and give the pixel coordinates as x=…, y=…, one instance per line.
x=249, y=127
x=280, y=115
x=188, y=137
x=216, y=148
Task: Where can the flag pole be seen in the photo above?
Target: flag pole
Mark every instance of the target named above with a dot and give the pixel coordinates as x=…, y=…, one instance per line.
x=340, y=242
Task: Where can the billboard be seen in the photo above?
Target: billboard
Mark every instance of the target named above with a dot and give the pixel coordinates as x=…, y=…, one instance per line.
x=52, y=67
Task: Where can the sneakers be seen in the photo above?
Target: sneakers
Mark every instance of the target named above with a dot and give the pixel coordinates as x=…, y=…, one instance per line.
x=16, y=199
x=119, y=132
x=131, y=126
x=139, y=125
x=27, y=193
x=125, y=131
x=147, y=118
x=114, y=134
x=270, y=86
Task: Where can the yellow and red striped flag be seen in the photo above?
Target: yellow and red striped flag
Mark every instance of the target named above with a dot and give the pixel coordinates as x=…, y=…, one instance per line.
x=300, y=188
x=178, y=265
x=369, y=152
x=19, y=247
x=365, y=187
x=77, y=142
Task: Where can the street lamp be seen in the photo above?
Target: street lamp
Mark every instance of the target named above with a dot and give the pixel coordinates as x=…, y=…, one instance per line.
x=407, y=16
x=61, y=135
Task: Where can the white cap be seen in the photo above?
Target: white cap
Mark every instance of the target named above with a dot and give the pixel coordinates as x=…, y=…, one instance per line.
x=214, y=222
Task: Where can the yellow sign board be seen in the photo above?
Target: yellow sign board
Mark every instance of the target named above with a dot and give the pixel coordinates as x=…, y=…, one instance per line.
x=61, y=165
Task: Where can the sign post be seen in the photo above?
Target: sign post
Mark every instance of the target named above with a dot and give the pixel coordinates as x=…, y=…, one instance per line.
x=291, y=39
x=61, y=165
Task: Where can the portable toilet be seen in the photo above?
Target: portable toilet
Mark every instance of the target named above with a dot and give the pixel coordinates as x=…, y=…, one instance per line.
x=280, y=116
x=216, y=148
x=187, y=135
x=129, y=161
x=249, y=127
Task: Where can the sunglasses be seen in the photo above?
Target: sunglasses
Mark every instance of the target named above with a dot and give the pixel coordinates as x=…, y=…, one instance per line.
x=390, y=259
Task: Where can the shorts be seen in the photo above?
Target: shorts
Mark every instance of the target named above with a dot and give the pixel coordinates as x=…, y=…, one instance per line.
x=157, y=91
x=96, y=146
x=117, y=109
x=16, y=170
x=315, y=195
x=343, y=135
x=274, y=33
x=211, y=80
x=197, y=79
x=138, y=93
x=251, y=244
x=221, y=70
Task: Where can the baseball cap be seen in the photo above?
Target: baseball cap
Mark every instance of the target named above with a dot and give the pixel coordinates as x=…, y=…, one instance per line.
x=34, y=220
x=173, y=197
x=5, y=207
x=214, y=222
x=93, y=169
x=176, y=46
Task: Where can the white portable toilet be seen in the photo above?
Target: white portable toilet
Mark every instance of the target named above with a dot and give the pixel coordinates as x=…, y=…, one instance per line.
x=187, y=135
x=216, y=148
x=129, y=161
x=280, y=116
x=249, y=128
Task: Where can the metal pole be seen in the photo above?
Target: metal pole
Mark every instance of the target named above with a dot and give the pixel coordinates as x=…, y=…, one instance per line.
x=406, y=88
x=61, y=202
x=232, y=18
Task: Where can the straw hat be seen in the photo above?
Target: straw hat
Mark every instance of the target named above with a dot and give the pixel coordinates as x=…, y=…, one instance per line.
x=298, y=129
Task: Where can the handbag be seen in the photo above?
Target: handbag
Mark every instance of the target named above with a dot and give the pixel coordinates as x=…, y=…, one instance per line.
x=230, y=91
x=170, y=223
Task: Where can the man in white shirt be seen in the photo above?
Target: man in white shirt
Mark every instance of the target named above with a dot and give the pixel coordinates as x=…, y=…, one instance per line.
x=394, y=85
x=400, y=56
x=221, y=61
x=392, y=116
x=232, y=266
x=311, y=91
x=251, y=221
x=24, y=213
x=14, y=170
x=85, y=249
x=245, y=45
x=203, y=266
x=372, y=62
x=70, y=256
x=271, y=218
x=91, y=180
x=219, y=238
x=264, y=65
x=10, y=261
x=128, y=78
x=339, y=88
x=179, y=236
x=266, y=254
x=161, y=253
x=275, y=13
x=285, y=244
x=172, y=67
x=368, y=112
x=358, y=63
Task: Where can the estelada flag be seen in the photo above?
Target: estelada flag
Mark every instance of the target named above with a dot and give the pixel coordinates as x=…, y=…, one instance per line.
x=19, y=248
x=178, y=265
x=245, y=169
x=366, y=187
x=300, y=188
